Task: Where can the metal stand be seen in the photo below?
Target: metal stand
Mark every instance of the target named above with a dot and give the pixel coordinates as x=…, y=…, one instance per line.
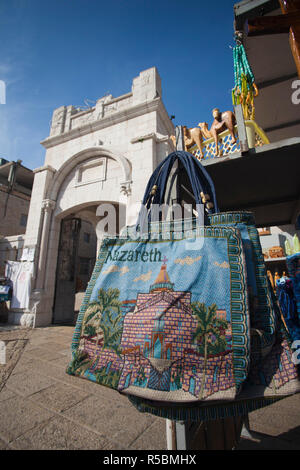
x=218, y=434
x=221, y=434
x=246, y=431
x=183, y=435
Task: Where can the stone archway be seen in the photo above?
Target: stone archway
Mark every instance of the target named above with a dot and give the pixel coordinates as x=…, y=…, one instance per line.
x=70, y=194
x=83, y=156
x=77, y=250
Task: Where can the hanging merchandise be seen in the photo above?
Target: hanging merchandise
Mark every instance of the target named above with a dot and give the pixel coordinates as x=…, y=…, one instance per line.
x=20, y=274
x=180, y=317
x=245, y=89
x=293, y=265
x=296, y=243
x=288, y=307
x=5, y=289
x=294, y=248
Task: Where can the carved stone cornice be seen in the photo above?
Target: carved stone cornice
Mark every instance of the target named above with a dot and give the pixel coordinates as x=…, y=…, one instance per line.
x=110, y=120
x=44, y=168
x=152, y=135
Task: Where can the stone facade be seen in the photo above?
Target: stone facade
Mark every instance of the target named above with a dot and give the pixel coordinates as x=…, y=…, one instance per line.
x=16, y=206
x=100, y=155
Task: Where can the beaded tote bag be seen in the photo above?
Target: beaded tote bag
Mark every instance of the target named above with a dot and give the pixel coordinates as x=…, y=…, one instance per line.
x=166, y=320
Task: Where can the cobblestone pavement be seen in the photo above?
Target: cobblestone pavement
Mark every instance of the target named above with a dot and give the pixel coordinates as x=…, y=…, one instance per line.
x=41, y=407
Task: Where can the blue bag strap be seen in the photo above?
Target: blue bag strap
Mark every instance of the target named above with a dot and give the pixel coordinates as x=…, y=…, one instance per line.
x=199, y=179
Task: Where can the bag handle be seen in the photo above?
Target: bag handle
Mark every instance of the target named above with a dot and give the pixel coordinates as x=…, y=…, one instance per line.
x=200, y=181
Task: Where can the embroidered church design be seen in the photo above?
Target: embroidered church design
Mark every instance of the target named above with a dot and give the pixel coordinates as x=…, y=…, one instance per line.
x=161, y=352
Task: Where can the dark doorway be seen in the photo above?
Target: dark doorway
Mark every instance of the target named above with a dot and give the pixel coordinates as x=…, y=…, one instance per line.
x=75, y=263
x=63, y=310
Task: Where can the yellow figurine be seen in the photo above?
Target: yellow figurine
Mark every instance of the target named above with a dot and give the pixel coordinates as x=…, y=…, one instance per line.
x=276, y=277
x=271, y=279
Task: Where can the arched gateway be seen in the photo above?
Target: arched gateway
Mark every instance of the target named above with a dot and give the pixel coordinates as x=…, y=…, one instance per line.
x=101, y=155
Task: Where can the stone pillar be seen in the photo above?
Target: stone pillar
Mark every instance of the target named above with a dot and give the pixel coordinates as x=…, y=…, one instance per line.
x=147, y=86
x=58, y=121
x=42, y=179
x=47, y=207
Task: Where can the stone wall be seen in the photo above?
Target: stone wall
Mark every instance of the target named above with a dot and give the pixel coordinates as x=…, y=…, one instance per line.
x=15, y=206
x=11, y=249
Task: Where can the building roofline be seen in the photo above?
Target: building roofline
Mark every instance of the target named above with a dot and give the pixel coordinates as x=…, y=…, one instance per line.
x=132, y=112
x=247, y=9
x=8, y=164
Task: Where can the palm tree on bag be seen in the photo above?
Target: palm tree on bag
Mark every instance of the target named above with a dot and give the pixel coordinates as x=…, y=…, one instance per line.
x=209, y=326
x=106, y=316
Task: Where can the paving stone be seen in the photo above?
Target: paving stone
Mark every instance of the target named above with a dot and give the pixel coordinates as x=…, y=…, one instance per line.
x=266, y=443
x=59, y=373
x=66, y=352
x=40, y=338
x=44, y=354
x=65, y=332
x=15, y=344
x=97, y=416
x=3, y=445
x=47, y=345
x=121, y=424
x=62, y=360
x=59, y=397
x=275, y=419
x=25, y=363
x=29, y=382
x=5, y=394
x=292, y=436
x=15, y=334
x=153, y=438
x=98, y=390
x=60, y=434
x=18, y=416
x=50, y=369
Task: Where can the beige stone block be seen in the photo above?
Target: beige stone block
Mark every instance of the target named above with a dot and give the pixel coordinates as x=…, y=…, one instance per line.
x=154, y=438
x=60, y=397
x=28, y=382
x=4, y=445
x=5, y=394
x=61, y=434
x=52, y=346
x=266, y=420
x=120, y=421
x=18, y=416
x=44, y=354
x=63, y=360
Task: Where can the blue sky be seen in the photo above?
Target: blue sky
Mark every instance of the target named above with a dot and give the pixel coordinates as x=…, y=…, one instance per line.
x=62, y=52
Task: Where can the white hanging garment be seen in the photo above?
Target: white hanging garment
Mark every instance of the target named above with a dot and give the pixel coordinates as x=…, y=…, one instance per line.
x=20, y=274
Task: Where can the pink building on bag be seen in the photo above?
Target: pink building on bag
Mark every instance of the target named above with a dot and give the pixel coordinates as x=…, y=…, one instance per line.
x=158, y=346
